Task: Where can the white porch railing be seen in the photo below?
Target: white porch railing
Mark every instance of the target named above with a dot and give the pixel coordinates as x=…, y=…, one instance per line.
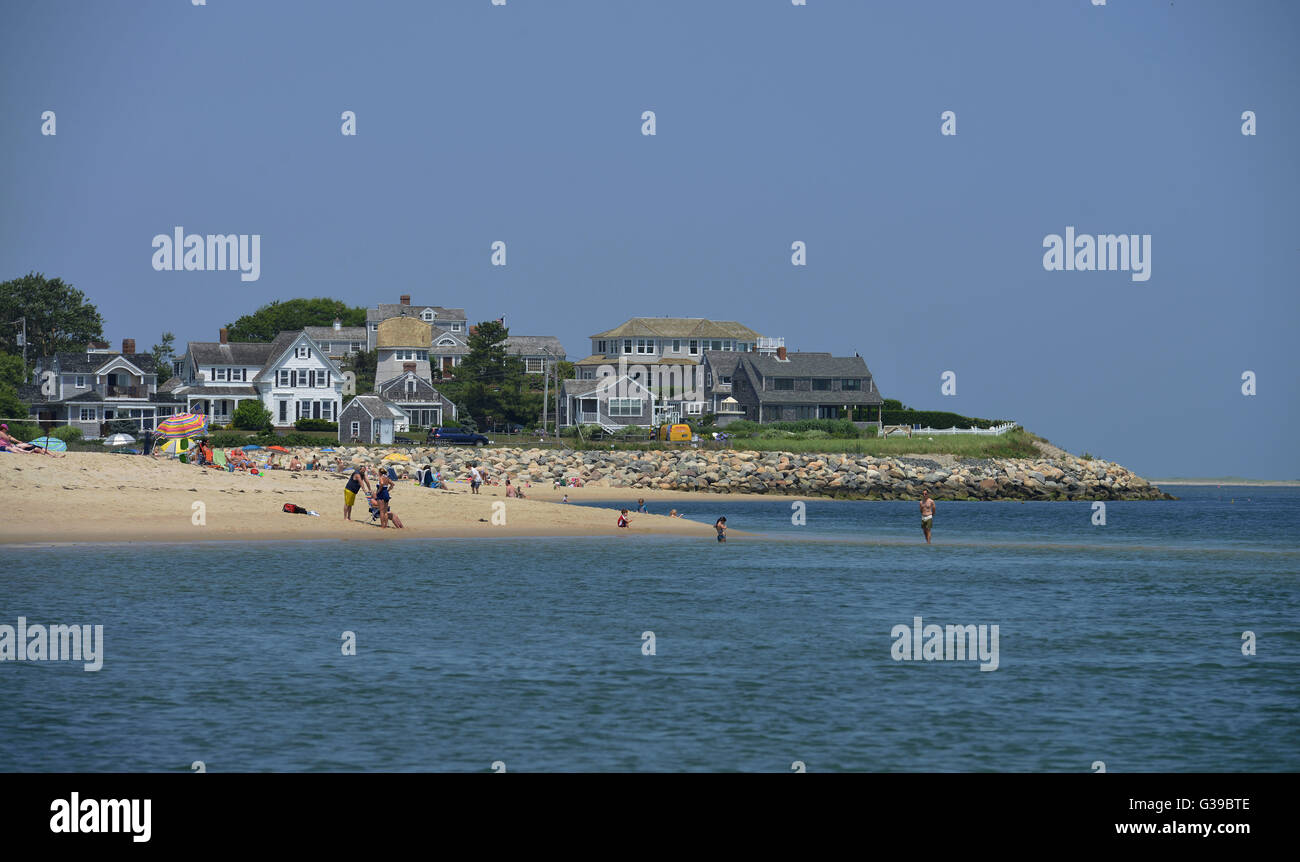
x=590, y=418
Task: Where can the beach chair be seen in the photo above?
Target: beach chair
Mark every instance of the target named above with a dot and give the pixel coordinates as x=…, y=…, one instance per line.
x=219, y=460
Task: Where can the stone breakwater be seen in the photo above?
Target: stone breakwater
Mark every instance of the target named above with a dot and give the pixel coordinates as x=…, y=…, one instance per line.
x=740, y=472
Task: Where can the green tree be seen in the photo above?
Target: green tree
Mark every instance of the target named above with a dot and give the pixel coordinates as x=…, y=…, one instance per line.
x=293, y=314
x=490, y=384
x=163, y=353
x=363, y=364
x=12, y=375
x=250, y=415
x=59, y=317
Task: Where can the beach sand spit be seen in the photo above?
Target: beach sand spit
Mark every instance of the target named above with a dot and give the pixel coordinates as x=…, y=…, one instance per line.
x=94, y=497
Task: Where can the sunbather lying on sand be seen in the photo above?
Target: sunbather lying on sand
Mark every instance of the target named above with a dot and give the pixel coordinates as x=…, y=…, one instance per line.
x=12, y=442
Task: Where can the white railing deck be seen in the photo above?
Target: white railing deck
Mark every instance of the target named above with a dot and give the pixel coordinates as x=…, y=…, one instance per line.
x=996, y=430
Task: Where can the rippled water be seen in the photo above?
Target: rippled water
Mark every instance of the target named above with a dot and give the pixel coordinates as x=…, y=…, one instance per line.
x=1119, y=643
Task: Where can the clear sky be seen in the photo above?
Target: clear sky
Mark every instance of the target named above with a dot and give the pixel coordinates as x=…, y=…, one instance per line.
x=775, y=123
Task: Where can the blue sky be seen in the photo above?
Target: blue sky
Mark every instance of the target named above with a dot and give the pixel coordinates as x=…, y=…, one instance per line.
x=775, y=123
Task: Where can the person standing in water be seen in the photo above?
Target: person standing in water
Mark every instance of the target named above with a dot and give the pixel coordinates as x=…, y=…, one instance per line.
x=721, y=526
x=927, y=514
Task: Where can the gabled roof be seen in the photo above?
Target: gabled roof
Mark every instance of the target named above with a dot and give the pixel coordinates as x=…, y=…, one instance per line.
x=722, y=362
x=680, y=327
x=80, y=362
x=534, y=345
x=375, y=406
x=811, y=365
x=599, y=385
x=329, y=333
x=385, y=310
x=394, y=389
x=246, y=353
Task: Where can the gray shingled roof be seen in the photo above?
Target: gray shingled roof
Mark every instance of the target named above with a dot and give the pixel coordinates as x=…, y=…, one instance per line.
x=723, y=362
x=811, y=365
x=248, y=391
x=329, y=333
x=580, y=387
x=235, y=353
x=81, y=362
x=534, y=345
x=386, y=310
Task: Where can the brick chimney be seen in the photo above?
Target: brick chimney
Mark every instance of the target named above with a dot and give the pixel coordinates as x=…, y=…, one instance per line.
x=225, y=335
x=128, y=345
x=408, y=366
x=405, y=299
x=780, y=353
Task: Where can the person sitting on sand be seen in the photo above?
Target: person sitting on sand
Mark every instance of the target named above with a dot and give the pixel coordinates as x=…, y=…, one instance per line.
x=295, y=465
x=315, y=463
x=511, y=491
x=623, y=520
x=673, y=514
x=721, y=526
x=566, y=499
x=355, y=483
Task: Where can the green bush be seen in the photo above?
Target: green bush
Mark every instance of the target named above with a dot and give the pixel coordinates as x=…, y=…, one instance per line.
x=814, y=434
x=26, y=431
x=315, y=425
x=252, y=416
x=228, y=439
x=935, y=419
x=66, y=433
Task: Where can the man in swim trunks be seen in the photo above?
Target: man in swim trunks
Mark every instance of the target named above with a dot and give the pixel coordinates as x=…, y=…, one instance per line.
x=355, y=483
x=927, y=514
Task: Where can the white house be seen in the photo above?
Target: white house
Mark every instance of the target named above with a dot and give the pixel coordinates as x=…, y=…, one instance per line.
x=292, y=377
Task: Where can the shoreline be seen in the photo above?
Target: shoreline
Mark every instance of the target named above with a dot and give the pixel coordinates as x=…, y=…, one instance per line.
x=1231, y=483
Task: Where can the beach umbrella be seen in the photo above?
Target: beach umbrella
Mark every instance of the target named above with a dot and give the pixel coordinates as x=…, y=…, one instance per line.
x=173, y=446
x=183, y=425
x=251, y=447
x=396, y=456
x=277, y=449
x=327, y=450
x=119, y=440
x=53, y=444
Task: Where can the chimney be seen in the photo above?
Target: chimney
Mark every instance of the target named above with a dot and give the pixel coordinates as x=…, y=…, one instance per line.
x=405, y=299
x=128, y=345
x=338, y=324
x=408, y=366
x=780, y=353
x=225, y=335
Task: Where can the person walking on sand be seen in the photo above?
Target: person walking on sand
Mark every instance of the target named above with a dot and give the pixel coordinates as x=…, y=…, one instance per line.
x=475, y=479
x=355, y=483
x=927, y=514
x=721, y=526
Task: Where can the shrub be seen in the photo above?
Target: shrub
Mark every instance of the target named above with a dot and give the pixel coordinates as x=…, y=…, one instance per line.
x=252, y=416
x=227, y=439
x=66, y=433
x=315, y=425
x=744, y=428
x=814, y=434
x=25, y=430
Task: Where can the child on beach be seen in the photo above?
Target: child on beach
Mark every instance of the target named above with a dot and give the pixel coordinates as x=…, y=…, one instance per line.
x=623, y=519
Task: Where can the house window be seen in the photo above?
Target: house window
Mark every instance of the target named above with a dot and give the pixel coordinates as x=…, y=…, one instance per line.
x=695, y=347
x=533, y=365
x=283, y=378
x=355, y=429
x=726, y=345
x=356, y=346
x=374, y=327
x=81, y=381
x=627, y=345
x=852, y=383
x=456, y=326
x=782, y=383
x=426, y=315
x=625, y=407
x=239, y=374
x=695, y=408
x=327, y=410
x=645, y=345
x=303, y=378
x=284, y=412
x=600, y=347
x=302, y=352
x=677, y=345
x=821, y=384
x=219, y=374
x=87, y=414
x=724, y=380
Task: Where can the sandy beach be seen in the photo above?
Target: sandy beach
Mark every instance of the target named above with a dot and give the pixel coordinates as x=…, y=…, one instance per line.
x=93, y=497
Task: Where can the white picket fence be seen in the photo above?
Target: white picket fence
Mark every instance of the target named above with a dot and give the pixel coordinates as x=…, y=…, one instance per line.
x=994, y=431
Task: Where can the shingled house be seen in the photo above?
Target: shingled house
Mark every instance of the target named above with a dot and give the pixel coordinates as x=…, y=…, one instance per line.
x=785, y=387
x=89, y=388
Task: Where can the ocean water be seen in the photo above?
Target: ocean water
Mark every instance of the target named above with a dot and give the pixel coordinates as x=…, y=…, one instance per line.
x=1120, y=643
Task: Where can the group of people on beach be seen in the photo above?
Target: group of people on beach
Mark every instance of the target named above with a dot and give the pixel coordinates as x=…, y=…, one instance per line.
x=379, y=497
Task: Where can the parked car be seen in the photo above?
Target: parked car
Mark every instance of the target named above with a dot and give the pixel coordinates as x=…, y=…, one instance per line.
x=455, y=437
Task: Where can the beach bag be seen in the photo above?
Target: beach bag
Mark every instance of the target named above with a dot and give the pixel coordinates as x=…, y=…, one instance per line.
x=295, y=510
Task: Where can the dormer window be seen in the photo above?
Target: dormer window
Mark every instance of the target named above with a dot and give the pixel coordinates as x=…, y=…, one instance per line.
x=302, y=352
x=426, y=316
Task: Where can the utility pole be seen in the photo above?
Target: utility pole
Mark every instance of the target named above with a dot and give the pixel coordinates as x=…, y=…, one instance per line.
x=546, y=394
